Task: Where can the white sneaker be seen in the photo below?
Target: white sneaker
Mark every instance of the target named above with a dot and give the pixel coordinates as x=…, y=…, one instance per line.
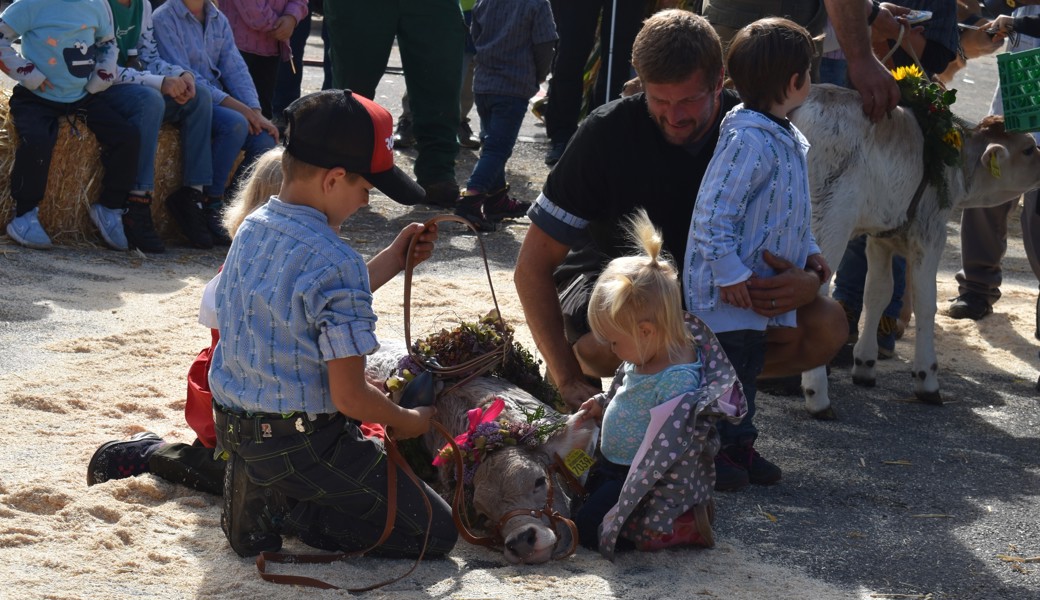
x=109, y=222
x=27, y=231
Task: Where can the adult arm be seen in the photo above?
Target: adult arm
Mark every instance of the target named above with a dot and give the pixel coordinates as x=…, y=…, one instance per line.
x=355, y=397
x=877, y=88
x=389, y=262
x=539, y=256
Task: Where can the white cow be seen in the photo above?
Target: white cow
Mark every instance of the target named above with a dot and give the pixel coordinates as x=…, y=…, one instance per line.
x=862, y=177
x=512, y=478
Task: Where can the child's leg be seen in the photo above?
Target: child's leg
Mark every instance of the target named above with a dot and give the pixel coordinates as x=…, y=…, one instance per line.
x=604, y=488
x=229, y=134
x=36, y=121
x=122, y=143
x=143, y=107
x=500, y=121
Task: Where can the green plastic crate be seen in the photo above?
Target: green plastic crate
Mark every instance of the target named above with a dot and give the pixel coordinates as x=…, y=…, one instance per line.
x=1020, y=89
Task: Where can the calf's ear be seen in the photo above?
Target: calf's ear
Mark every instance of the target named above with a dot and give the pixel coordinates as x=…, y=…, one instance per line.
x=993, y=157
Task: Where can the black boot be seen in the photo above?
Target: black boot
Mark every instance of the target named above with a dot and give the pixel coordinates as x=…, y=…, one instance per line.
x=213, y=214
x=138, y=226
x=185, y=206
x=471, y=208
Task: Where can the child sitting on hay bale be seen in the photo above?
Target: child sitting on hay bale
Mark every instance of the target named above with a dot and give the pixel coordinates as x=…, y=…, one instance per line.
x=68, y=59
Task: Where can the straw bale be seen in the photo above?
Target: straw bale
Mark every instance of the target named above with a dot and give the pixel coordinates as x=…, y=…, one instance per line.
x=74, y=180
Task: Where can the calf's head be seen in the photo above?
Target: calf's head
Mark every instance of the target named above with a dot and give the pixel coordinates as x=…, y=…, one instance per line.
x=516, y=478
x=1008, y=164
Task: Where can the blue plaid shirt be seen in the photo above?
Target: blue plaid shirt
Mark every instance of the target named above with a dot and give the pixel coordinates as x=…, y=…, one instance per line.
x=292, y=296
x=209, y=51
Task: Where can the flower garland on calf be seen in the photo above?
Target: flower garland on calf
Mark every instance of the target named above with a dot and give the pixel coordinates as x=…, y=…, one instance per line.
x=930, y=103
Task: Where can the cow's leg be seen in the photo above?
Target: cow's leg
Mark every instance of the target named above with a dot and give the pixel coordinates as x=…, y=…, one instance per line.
x=926, y=367
x=817, y=402
x=877, y=292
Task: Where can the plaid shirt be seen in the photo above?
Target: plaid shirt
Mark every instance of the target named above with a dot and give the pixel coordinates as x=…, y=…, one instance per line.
x=292, y=296
x=209, y=52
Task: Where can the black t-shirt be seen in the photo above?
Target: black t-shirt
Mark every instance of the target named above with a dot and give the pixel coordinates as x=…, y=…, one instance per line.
x=617, y=162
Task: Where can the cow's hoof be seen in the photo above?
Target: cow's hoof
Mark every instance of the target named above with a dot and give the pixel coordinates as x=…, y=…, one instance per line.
x=864, y=381
x=933, y=398
x=827, y=414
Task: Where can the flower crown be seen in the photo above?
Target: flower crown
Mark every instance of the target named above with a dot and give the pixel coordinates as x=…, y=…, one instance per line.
x=930, y=104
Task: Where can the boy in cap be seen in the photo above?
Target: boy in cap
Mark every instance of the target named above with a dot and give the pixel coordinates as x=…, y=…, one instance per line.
x=288, y=375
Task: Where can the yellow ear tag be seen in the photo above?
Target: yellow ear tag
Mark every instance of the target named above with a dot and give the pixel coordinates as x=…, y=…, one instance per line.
x=994, y=168
x=578, y=462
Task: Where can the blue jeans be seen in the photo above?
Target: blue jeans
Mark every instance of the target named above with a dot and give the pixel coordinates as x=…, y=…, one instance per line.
x=834, y=70
x=746, y=350
x=231, y=134
x=148, y=109
x=500, y=120
x=852, y=276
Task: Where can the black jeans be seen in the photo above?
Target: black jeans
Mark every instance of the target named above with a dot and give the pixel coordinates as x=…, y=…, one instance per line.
x=746, y=349
x=604, y=488
x=37, y=121
x=264, y=71
x=192, y=465
x=576, y=24
x=339, y=478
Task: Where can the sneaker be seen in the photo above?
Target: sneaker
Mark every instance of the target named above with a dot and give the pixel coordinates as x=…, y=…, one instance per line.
x=251, y=514
x=441, y=193
x=886, y=337
x=121, y=459
x=185, y=206
x=403, y=135
x=729, y=475
x=138, y=226
x=969, y=306
x=555, y=153
x=471, y=208
x=109, y=222
x=759, y=470
x=467, y=139
x=501, y=206
x=213, y=214
x=27, y=231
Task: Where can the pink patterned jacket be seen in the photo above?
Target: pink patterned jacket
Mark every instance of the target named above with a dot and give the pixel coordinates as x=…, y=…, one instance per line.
x=253, y=20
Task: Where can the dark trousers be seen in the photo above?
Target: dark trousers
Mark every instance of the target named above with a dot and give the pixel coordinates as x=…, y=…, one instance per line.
x=604, y=488
x=264, y=71
x=746, y=350
x=38, y=120
x=431, y=36
x=339, y=478
x=192, y=465
x=576, y=22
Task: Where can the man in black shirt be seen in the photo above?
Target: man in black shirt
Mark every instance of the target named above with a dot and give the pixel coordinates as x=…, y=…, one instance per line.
x=650, y=150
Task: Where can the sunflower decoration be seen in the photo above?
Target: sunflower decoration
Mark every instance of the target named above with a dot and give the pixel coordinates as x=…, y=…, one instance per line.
x=930, y=104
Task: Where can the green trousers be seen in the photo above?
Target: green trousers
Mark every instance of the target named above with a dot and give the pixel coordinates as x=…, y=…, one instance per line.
x=431, y=37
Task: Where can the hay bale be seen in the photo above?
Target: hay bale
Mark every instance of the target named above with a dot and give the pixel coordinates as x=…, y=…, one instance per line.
x=74, y=180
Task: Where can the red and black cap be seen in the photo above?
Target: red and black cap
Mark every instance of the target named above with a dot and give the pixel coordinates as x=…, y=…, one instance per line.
x=338, y=128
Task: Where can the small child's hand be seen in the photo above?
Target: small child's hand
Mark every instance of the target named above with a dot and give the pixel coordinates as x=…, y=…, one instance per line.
x=45, y=85
x=590, y=409
x=736, y=294
x=416, y=424
x=423, y=247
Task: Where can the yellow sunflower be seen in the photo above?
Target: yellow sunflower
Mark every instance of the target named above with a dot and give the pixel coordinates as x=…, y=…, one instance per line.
x=910, y=71
x=953, y=138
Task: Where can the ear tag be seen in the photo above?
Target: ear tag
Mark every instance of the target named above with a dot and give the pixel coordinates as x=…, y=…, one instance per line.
x=994, y=168
x=578, y=462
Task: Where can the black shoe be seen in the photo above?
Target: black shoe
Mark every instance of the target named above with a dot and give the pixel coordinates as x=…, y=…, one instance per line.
x=500, y=205
x=470, y=207
x=729, y=476
x=759, y=470
x=444, y=194
x=185, y=206
x=138, y=226
x=969, y=306
x=403, y=136
x=467, y=139
x=555, y=152
x=121, y=459
x=251, y=514
x=213, y=214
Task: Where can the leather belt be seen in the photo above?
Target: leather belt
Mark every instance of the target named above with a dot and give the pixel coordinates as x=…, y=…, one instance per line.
x=258, y=427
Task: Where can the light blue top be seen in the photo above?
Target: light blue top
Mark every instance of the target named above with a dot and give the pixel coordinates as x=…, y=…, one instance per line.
x=754, y=197
x=627, y=416
x=292, y=296
x=207, y=50
x=67, y=42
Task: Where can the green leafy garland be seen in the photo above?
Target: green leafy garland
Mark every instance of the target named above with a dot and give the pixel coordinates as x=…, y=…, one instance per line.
x=930, y=104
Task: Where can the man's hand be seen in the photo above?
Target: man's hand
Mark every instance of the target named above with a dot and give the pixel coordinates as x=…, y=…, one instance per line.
x=417, y=424
x=258, y=122
x=736, y=294
x=177, y=89
x=875, y=84
x=789, y=289
x=283, y=28
x=576, y=393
